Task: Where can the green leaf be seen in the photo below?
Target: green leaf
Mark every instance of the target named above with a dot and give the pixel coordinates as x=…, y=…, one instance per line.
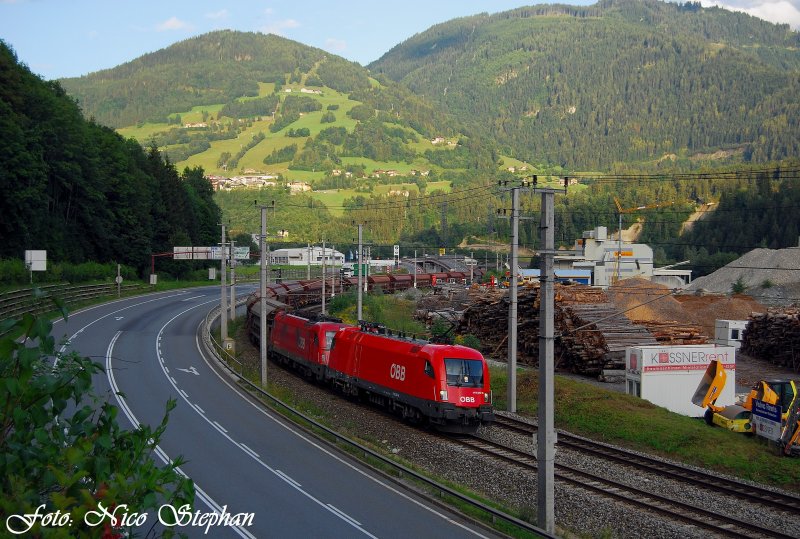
x=8, y=324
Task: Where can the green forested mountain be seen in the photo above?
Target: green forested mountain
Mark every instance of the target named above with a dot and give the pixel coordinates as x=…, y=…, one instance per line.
x=295, y=107
x=82, y=192
x=619, y=81
x=218, y=67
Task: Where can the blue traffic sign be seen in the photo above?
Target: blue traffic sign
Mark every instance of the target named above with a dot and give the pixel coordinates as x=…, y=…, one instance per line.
x=770, y=412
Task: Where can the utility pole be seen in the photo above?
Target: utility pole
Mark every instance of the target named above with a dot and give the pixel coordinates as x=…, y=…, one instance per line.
x=233, y=280
x=323, y=276
x=444, y=224
x=415, y=268
x=223, y=302
x=471, y=268
x=360, y=270
x=308, y=270
x=511, y=361
x=512, y=310
x=334, y=272
x=262, y=334
x=546, y=434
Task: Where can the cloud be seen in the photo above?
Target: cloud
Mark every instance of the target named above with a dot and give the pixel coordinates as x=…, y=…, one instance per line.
x=776, y=11
x=279, y=27
x=335, y=45
x=173, y=23
x=221, y=14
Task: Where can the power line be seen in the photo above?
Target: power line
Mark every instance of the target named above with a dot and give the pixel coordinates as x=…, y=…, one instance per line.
x=421, y=201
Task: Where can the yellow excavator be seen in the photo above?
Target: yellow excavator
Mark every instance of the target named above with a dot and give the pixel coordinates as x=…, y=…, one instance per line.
x=737, y=417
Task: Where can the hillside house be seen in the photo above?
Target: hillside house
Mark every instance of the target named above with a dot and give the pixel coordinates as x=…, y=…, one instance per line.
x=298, y=187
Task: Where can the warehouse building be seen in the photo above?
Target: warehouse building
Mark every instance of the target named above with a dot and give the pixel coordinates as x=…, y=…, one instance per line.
x=300, y=256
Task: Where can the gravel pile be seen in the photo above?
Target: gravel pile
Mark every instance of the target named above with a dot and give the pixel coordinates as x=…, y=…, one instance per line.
x=578, y=512
x=779, y=268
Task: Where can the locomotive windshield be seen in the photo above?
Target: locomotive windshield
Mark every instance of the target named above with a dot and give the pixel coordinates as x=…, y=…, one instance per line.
x=464, y=372
x=329, y=335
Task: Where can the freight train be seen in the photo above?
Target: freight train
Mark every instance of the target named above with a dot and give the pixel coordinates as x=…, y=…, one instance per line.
x=446, y=386
x=300, y=293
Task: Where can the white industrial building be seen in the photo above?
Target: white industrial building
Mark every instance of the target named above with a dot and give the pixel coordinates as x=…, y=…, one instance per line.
x=609, y=261
x=729, y=332
x=300, y=256
x=668, y=376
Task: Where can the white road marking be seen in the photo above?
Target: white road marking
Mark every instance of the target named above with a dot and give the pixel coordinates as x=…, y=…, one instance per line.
x=123, y=405
x=283, y=477
x=190, y=370
x=201, y=494
x=350, y=465
x=287, y=478
x=220, y=427
x=353, y=521
x=248, y=450
x=64, y=346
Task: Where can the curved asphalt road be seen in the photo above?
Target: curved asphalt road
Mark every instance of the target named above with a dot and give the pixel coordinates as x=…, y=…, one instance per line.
x=239, y=456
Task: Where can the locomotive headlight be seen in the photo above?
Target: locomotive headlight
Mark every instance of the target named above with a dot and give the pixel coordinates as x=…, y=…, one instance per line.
x=487, y=397
x=443, y=394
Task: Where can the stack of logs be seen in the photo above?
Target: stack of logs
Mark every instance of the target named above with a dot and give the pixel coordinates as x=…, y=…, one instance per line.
x=775, y=337
x=673, y=333
x=593, y=333
x=487, y=319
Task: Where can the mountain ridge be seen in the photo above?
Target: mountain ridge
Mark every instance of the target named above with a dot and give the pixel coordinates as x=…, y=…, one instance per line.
x=544, y=80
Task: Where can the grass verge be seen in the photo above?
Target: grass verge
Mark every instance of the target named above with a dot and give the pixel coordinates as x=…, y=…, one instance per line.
x=631, y=422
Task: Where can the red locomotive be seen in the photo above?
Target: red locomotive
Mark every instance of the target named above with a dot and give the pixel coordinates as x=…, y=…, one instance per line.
x=445, y=385
x=304, y=342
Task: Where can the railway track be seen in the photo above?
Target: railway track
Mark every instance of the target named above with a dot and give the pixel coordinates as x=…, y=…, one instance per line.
x=668, y=507
x=751, y=493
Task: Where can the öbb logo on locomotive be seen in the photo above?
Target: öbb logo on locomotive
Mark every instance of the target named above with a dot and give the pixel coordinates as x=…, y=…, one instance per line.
x=398, y=372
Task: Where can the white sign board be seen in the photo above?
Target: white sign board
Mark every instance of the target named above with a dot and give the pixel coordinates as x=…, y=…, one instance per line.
x=208, y=253
x=201, y=253
x=766, y=420
x=668, y=376
x=36, y=260
x=182, y=253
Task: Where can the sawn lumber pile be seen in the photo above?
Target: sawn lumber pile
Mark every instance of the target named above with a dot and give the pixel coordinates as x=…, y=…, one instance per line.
x=593, y=334
x=775, y=337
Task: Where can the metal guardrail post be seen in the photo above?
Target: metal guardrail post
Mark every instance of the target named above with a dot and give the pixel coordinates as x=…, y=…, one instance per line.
x=19, y=302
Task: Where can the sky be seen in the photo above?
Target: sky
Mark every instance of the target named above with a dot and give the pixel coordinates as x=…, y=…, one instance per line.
x=70, y=38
